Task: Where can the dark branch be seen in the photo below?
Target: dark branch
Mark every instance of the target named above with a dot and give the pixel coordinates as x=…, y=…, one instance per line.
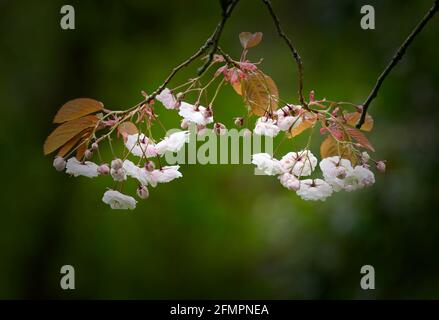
x=292, y=48
x=211, y=42
x=396, y=58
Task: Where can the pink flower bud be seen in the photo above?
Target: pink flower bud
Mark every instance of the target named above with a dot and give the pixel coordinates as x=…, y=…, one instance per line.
x=94, y=146
x=59, y=163
x=149, y=165
x=116, y=164
x=180, y=96
x=88, y=154
x=239, y=122
x=142, y=192
x=365, y=157
x=219, y=128
x=381, y=166
x=118, y=174
x=208, y=112
x=218, y=58
x=312, y=96
x=104, y=169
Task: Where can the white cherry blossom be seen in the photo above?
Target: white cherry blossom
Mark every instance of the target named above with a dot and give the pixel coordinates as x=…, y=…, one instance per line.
x=167, y=99
x=335, y=171
x=118, y=200
x=301, y=163
x=314, y=189
x=266, y=127
x=163, y=175
x=173, y=143
x=266, y=163
x=77, y=168
x=140, y=145
x=359, y=177
x=289, y=181
x=133, y=171
x=191, y=113
x=285, y=121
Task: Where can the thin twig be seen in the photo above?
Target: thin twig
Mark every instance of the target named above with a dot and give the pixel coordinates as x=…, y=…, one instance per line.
x=396, y=58
x=212, y=42
x=227, y=58
x=292, y=48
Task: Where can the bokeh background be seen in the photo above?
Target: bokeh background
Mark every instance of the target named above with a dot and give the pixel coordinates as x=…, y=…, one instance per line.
x=221, y=231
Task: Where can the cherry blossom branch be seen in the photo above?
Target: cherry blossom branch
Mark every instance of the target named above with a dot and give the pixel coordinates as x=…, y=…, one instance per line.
x=394, y=61
x=292, y=48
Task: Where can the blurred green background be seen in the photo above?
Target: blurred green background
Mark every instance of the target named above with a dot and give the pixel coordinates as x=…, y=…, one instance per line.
x=221, y=231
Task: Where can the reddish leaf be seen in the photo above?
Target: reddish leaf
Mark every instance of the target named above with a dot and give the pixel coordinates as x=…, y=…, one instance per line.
x=330, y=147
x=237, y=87
x=249, y=40
x=352, y=119
x=77, y=108
x=74, y=141
x=127, y=128
x=360, y=138
x=260, y=93
x=69, y=145
x=65, y=132
x=336, y=132
x=308, y=120
x=81, y=149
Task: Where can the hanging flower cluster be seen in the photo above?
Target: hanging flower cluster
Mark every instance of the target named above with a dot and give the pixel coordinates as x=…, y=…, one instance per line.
x=84, y=124
x=344, y=166
x=338, y=173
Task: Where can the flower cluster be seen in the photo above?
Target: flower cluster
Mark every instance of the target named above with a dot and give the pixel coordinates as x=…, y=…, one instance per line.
x=143, y=147
x=138, y=145
x=119, y=171
x=283, y=119
x=338, y=174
